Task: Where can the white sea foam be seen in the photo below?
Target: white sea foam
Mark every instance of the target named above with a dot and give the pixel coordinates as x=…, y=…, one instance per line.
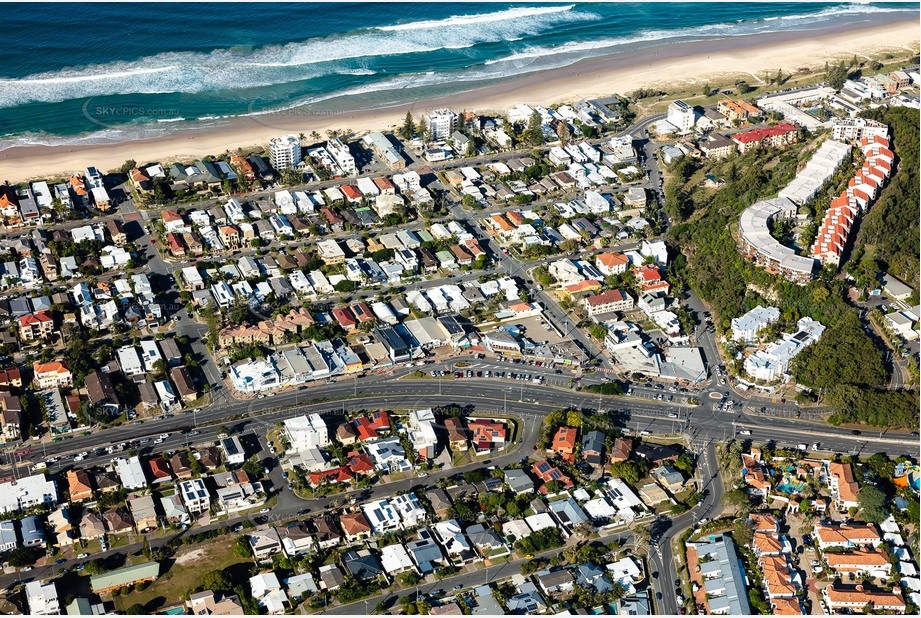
x=235, y=69
x=473, y=20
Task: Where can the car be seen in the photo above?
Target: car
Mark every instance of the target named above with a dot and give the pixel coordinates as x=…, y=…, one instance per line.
x=457, y=587
x=194, y=433
x=264, y=511
x=25, y=568
x=855, y=433
x=164, y=435
x=266, y=470
x=196, y=410
x=672, y=415
x=79, y=567
x=271, y=394
x=438, y=593
x=158, y=441
x=138, y=423
x=260, y=396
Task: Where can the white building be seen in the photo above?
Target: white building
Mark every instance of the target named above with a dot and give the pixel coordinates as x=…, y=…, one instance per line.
x=340, y=152
x=26, y=492
x=150, y=354
x=194, y=495
x=771, y=363
x=395, y=559
x=440, y=123
x=681, y=115
x=382, y=516
x=746, y=327
x=422, y=433
x=129, y=360
x=255, y=376
x=42, y=598
x=410, y=509
x=306, y=432
x=234, y=454
x=131, y=473
x=850, y=129
x=284, y=152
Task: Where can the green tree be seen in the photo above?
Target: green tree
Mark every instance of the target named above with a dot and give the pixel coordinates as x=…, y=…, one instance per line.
x=598, y=331
x=252, y=467
x=872, y=503
x=743, y=533
x=836, y=75
x=737, y=499
x=533, y=134
x=409, y=126
x=217, y=581
x=22, y=556
x=345, y=286
x=137, y=610
x=242, y=548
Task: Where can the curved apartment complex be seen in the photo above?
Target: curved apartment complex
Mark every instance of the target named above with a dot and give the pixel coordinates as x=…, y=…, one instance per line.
x=754, y=234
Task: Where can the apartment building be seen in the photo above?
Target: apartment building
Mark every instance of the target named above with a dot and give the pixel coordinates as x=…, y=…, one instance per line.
x=284, y=152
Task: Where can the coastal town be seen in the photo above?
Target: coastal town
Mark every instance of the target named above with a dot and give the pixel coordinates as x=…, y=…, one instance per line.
x=474, y=364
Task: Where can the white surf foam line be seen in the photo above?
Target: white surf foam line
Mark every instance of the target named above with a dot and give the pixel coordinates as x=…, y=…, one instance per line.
x=232, y=69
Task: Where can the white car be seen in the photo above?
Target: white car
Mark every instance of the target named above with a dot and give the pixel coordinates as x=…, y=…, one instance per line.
x=82, y=556
x=158, y=441
x=265, y=510
x=164, y=436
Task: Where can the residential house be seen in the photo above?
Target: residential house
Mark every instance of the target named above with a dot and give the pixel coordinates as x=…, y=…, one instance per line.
x=80, y=485
x=355, y=526
x=564, y=442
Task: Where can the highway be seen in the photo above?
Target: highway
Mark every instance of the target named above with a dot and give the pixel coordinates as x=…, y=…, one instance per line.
x=634, y=413
x=529, y=403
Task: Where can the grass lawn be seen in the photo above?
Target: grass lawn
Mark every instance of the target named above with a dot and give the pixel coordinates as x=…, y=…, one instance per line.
x=183, y=574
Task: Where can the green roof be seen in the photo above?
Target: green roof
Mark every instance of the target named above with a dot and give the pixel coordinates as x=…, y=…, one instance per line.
x=125, y=576
x=80, y=607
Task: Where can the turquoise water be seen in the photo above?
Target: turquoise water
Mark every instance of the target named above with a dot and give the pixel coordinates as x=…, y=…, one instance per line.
x=108, y=72
x=790, y=488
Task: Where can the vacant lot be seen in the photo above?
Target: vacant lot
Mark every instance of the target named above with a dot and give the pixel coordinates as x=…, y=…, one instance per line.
x=182, y=573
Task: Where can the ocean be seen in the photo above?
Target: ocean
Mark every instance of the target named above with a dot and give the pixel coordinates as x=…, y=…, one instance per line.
x=110, y=72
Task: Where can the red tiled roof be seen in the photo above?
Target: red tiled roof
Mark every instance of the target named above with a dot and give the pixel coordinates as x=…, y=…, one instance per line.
x=35, y=318
x=756, y=135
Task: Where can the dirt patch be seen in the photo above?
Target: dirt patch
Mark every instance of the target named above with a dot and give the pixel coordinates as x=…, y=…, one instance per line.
x=192, y=556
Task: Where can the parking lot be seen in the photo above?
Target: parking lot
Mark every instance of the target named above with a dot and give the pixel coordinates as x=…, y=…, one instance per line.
x=539, y=331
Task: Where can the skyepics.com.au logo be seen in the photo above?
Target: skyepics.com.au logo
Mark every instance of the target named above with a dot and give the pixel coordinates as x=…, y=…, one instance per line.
x=113, y=115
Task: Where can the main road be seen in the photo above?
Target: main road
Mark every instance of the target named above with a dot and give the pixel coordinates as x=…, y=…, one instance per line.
x=482, y=395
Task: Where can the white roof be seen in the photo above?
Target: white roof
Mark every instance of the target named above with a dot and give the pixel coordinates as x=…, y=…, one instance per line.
x=599, y=508
x=753, y=227
x=394, y=558
x=130, y=472
x=540, y=521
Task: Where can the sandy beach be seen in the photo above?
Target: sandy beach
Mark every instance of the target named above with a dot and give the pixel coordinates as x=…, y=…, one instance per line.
x=667, y=67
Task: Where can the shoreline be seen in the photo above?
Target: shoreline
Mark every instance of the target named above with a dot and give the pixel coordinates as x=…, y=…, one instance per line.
x=679, y=64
